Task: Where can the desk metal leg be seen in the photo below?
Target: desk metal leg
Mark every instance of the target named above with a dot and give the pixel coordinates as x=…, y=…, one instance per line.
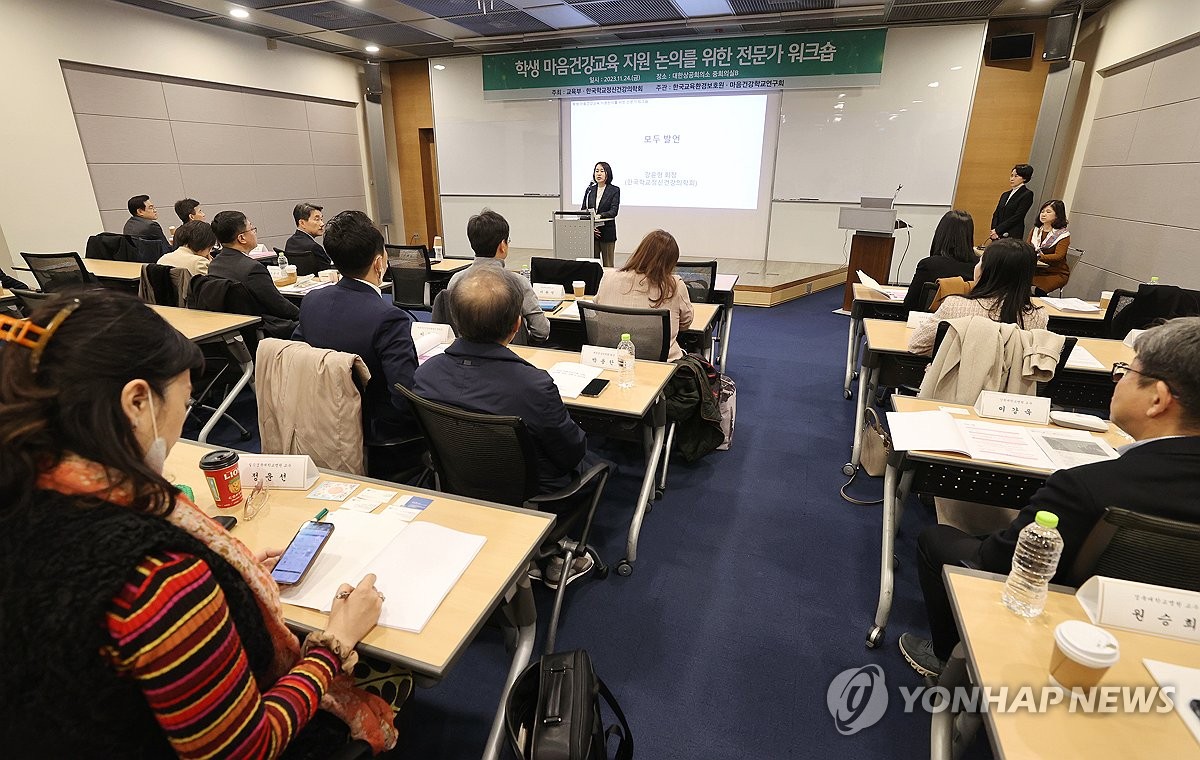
x=866, y=389
x=895, y=489
x=852, y=354
x=526, y=631
x=625, y=566
x=726, y=329
x=247, y=376
x=951, y=732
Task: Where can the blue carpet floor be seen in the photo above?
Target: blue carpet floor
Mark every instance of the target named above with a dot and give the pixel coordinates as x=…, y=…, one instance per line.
x=755, y=586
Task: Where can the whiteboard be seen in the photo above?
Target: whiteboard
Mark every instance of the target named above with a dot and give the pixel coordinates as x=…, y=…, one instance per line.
x=491, y=147
x=902, y=132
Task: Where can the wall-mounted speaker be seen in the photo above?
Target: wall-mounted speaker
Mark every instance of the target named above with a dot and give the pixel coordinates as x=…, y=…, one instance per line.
x=374, y=80
x=1060, y=32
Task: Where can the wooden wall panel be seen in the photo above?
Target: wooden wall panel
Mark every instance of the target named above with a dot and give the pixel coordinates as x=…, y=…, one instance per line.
x=1004, y=115
x=412, y=109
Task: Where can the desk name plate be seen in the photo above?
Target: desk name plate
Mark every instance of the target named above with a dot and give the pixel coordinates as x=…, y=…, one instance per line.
x=1142, y=608
x=1013, y=406
x=290, y=472
x=599, y=356
x=549, y=292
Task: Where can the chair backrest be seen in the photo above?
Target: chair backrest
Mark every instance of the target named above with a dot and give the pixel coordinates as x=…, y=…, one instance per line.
x=55, y=271
x=946, y=287
x=480, y=456
x=1142, y=548
x=305, y=261
x=1073, y=257
x=699, y=277
x=156, y=285
x=407, y=256
x=928, y=293
x=410, y=287
x=27, y=300
x=649, y=329
x=564, y=272
x=209, y=293
x=1120, y=301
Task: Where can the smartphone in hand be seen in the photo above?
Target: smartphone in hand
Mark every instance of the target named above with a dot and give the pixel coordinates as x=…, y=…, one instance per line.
x=302, y=552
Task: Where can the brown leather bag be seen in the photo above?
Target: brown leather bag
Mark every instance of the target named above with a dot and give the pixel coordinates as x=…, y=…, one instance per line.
x=876, y=445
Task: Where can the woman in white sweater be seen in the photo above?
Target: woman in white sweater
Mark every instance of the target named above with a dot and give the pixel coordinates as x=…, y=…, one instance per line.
x=195, y=241
x=648, y=281
x=1003, y=279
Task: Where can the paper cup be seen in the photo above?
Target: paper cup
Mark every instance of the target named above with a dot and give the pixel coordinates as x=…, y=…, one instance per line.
x=1105, y=297
x=329, y=275
x=290, y=269
x=578, y=286
x=275, y=272
x=1083, y=653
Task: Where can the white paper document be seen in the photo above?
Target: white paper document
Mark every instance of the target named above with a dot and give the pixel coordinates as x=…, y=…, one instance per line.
x=430, y=339
x=1081, y=358
x=993, y=442
x=415, y=565
x=304, y=286
x=1186, y=682
x=571, y=377
x=1071, y=304
x=895, y=294
x=570, y=310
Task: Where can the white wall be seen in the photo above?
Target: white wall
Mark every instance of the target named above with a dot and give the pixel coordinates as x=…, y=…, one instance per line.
x=46, y=198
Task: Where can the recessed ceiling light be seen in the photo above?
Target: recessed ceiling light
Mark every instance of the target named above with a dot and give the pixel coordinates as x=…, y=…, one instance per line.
x=839, y=105
x=439, y=67
x=956, y=68
x=372, y=48
x=918, y=101
x=239, y=13
x=893, y=117
x=841, y=95
x=935, y=84
x=837, y=118
x=903, y=110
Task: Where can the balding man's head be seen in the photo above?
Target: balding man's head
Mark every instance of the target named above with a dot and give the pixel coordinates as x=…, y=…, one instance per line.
x=487, y=305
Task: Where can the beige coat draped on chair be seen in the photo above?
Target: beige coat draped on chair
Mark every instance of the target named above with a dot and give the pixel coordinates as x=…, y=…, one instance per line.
x=308, y=403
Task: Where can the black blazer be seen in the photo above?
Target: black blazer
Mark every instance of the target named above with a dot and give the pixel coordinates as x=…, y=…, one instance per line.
x=609, y=205
x=1008, y=220
x=1159, y=477
x=302, y=242
x=278, y=314
x=933, y=268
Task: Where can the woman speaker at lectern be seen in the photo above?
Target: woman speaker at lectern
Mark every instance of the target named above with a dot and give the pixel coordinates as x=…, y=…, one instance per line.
x=605, y=197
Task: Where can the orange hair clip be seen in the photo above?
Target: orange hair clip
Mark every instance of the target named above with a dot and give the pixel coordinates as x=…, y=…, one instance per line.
x=19, y=331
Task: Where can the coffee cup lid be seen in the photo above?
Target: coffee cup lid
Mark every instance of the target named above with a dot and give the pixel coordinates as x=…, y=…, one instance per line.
x=1087, y=644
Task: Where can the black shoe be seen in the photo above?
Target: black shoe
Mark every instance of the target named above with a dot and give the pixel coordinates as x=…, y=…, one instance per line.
x=579, y=567
x=919, y=653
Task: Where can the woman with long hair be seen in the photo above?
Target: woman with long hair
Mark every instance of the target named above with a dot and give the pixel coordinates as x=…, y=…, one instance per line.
x=648, y=281
x=1050, y=238
x=135, y=625
x=951, y=254
x=1003, y=280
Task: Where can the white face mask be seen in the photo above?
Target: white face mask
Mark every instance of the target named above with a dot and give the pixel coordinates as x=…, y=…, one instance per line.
x=156, y=455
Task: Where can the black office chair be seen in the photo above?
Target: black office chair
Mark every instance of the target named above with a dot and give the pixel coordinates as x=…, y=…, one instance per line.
x=564, y=272
x=928, y=293
x=1142, y=548
x=56, y=271
x=410, y=270
x=223, y=355
x=492, y=457
x=649, y=329
x=700, y=277
x=305, y=262
x=1120, y=301
x=27, y=300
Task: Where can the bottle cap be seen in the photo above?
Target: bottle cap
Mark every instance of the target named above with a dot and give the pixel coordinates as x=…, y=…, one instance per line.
x=1047, y=519
x=624, y=336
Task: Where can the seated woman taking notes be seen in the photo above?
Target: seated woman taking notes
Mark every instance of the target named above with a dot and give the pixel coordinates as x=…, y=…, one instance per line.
x=134, y=625
x=648, y=281
x=1003, y=278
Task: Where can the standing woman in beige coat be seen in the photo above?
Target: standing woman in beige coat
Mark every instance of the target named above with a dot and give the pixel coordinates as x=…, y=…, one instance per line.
x=648, y=281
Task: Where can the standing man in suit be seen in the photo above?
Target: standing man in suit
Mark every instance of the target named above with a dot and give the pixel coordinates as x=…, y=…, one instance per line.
x=605, y=197
x=238, y=237
x=1008, y=220
x=352, y=316
x=143, y=221
x=1157, y=401
x=310, y=224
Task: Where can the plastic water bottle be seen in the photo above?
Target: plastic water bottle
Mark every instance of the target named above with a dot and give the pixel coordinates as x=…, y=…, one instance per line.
x=625, y=360
x=283, y=262
x=1034, y=563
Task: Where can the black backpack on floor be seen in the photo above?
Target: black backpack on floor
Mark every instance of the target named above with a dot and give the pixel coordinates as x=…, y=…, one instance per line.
x=553, y=712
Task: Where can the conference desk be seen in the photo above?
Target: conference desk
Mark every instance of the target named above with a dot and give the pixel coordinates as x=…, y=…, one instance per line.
x=203, y=326
x=886, y=361
x=633, y=413
x=942, y=473
x=1082, y=324
x=115, y=271
x=1000, y=649
x=450, y=266
x=496, y=576
x=7, y=297
x=570, y=332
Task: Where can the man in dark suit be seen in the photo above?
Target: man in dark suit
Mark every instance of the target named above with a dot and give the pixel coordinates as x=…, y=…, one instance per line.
x=143, y=221
x=238, y=237
x=352, y=316
x=310, y=224
x=1157, y=401
x=1008, y=220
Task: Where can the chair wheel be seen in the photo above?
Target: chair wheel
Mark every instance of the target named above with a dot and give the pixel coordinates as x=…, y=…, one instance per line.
x=602, y=573
x=848, y=469
x=658, y=494
x=624, y=569
x=847, y=395
x=874, y=637
x=245, y=436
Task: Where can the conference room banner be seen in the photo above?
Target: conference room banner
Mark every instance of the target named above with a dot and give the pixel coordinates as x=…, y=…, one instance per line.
x=852, y=58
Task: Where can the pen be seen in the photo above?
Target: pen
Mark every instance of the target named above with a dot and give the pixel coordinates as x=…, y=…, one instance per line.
x=321, y=515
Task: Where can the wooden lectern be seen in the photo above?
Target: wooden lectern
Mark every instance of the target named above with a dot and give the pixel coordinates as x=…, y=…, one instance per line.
x=871, y=246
